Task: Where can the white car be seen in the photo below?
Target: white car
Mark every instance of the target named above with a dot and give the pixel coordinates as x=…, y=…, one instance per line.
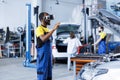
x=102, y=70
x=59, y=49
x=116, y=7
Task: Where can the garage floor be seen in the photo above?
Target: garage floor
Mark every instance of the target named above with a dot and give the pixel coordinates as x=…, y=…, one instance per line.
x=12, y=69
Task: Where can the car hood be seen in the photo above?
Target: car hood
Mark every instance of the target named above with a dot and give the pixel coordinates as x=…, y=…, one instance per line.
x=110, y=65
x=63, y=33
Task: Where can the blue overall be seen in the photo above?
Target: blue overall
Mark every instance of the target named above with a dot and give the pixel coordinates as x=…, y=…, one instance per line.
x=44, y=62
x=102, y=47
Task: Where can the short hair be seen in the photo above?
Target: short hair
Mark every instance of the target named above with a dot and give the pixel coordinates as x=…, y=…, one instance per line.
x=72, y=34
x=41, y=15
x=102, y=27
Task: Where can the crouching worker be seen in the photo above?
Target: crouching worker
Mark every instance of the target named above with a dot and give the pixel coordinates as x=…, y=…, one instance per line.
x=72, y=46
x=44, y=50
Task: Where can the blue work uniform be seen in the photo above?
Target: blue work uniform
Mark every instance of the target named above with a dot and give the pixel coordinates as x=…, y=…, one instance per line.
x=102, y=44
x=44, y=57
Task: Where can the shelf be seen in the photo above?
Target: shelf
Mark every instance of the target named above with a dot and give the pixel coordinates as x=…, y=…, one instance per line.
x=15, y=40
x=15, y=49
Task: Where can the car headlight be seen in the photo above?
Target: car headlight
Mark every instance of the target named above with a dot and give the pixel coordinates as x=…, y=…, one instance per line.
x=89, y=74
x=89, y=71
x=100, y=72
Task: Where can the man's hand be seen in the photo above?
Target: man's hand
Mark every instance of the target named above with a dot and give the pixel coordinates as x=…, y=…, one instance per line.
x=46, y=37
x=93, y=44
x=56, y=26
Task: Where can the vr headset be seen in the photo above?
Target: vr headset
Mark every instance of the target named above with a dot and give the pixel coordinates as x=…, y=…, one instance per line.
x=49, y=17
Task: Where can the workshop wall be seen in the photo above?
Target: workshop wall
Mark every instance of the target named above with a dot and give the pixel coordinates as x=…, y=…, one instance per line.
x=13, y=13
x=66, y=11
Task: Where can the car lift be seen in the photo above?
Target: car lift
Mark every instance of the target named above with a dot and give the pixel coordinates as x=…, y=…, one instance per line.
x=27, y=62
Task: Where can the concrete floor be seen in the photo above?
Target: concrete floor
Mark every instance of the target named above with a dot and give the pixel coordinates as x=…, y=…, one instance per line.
x=12, y=69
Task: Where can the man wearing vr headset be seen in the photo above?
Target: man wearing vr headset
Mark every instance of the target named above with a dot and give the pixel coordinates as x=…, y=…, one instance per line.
x=44, y=48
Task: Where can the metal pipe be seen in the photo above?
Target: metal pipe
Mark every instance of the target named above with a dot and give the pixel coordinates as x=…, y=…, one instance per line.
x=85, y=29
